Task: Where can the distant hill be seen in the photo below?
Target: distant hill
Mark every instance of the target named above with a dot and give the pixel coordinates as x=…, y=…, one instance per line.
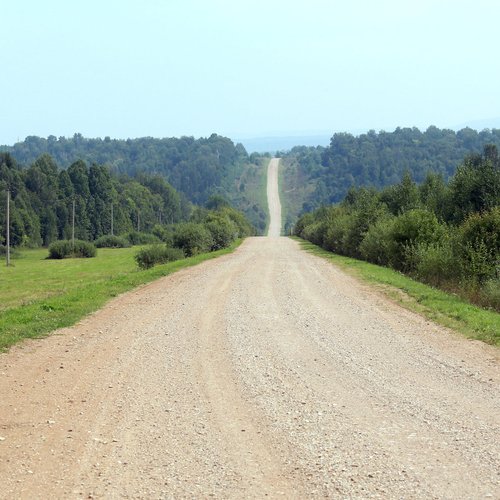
x=198, y=168
x=322, y=175
x=195, y=167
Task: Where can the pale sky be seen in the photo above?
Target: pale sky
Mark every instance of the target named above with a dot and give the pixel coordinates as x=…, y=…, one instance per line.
x=244, y=68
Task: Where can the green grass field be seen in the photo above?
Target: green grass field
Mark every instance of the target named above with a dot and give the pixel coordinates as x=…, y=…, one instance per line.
x=441, y=307
x=38, y=295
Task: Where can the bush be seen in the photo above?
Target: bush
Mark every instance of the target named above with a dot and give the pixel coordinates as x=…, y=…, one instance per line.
x=314, y=232
x=412, y=228
x=243, y=226
x=137, y=238
x=64, y=249
x=376, y=245
x=364, y=208
x=164, y=234
x=223, y=231
x=300, y=225
x=157, y=254
x=434, y=263
x=338, y=229
x=193, y=238
x=110, y=241
x=491, y=292
x=478, y=246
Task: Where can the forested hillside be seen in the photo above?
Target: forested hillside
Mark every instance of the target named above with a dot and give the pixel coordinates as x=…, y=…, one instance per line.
x=322, y=176
x=197, y=168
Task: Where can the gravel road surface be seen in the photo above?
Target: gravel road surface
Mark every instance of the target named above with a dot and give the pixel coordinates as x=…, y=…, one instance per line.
x=267, y=372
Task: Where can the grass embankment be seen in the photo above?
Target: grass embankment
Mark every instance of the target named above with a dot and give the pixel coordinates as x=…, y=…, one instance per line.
x=441, y=307
x=252, y=194
x=38, y=295
x=294, y=189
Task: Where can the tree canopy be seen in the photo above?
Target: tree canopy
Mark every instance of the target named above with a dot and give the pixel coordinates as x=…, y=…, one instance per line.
x=381, y=159
x=198, y=168
x=43, y=196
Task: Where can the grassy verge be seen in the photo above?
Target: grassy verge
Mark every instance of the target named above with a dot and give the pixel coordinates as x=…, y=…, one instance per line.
x=441, y=307
x=39, y=296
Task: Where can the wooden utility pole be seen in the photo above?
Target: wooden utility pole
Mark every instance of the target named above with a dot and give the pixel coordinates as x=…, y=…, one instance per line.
x=7, y=242
x=112, y=234
x=138, y=221
x=73, y=227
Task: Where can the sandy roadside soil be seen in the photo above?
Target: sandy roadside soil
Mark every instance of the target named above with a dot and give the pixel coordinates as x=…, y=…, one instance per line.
x=267, y=372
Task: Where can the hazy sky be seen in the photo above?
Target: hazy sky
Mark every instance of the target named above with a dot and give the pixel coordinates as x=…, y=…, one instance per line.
x=244, y=68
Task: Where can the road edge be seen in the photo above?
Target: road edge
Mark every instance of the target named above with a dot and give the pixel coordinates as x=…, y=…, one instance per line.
x=444, y=309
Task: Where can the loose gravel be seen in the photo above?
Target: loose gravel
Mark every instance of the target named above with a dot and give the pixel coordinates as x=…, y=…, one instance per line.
x=267, y=372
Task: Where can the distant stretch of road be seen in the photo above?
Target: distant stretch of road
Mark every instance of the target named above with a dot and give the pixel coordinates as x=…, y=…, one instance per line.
x=273, y=199
x=267, y=372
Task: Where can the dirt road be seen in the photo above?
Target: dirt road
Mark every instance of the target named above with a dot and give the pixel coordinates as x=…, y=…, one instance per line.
x=267, y=372
x=273, y=199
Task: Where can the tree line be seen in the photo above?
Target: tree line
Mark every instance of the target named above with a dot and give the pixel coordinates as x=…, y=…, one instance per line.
x=381, y=159
x=446, y=234
x=43, y=197
x=196, y=168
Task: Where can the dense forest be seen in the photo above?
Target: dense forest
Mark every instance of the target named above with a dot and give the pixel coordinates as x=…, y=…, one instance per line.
x=196, y=168
x=43, y=197
x=321, y=176
x=444, y=233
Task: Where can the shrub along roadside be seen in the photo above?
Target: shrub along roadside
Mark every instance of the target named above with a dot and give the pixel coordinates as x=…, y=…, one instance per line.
x=193, y=238
x=444, y=235
x=443, y=308
x=157, y=254
x=207, y=231
x=463, y=259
